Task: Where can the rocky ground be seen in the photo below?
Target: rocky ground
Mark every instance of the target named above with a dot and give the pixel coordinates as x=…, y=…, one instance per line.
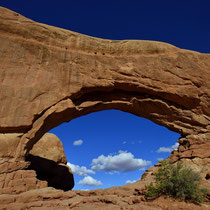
x=126, y=197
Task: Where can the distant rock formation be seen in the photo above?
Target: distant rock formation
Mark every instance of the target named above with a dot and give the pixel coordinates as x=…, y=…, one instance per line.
x=50, y=75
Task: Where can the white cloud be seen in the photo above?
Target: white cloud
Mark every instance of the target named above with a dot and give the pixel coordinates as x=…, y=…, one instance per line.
x=78, y=142
x=159, y=159
x=124, y=142
x=175, y=145
x=142, y=169
x=124, y=161
x=80, y=170
x=113, y=172
x=130, y=181
x=168, y=149
x=90, y=181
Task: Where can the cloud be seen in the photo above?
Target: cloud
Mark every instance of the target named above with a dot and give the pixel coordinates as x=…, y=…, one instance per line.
x=113, y=172
x=90, y=181
x=175, y=145
x=159, y=159
x=124, y=161
x=130, y=181
x=124, y=142
x=80, y=170
x=168, y=149
x=78, y=142
x=142, y=169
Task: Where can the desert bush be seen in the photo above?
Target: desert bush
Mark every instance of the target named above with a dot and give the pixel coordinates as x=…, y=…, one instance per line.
x=176, y=181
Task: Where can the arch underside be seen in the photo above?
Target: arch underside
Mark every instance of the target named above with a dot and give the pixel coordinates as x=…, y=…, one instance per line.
x=171, y=115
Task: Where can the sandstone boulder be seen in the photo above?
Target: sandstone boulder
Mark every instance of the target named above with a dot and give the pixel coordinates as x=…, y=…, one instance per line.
x=48, y=159
x=49, y=147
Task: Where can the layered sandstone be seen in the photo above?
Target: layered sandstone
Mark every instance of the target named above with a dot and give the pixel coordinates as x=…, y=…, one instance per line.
x=114, y=198
x=43, y=67
x=193, y=152
x=50, y=75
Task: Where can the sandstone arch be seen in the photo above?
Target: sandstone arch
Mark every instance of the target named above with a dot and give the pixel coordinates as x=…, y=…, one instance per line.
x=50, y=75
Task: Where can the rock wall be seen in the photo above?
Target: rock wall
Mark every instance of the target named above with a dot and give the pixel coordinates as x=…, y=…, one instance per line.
x=193, y=152
x=50, y=75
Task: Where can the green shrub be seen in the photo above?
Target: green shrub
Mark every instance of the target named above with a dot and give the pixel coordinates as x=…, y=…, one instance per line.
x=176, y=181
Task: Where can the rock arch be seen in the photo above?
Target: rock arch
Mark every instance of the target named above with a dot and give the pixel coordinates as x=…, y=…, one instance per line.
x=50, y=75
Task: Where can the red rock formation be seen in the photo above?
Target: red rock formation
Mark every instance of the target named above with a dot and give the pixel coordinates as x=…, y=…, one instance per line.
x=49, y=76
x=193, y=151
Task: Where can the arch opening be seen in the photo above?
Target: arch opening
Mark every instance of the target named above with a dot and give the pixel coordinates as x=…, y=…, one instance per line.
x=106, y=146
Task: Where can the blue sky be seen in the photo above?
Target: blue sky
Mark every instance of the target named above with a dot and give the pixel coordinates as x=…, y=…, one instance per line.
x=110, y=147
x=122, y=144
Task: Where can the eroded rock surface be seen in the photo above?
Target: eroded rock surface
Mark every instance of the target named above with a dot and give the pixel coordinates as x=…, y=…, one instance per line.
x=113, y=198
x=50, y=75
x=43, y=66
x=194, y=152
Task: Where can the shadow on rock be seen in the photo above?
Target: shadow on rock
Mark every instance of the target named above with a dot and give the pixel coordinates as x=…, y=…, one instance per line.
x=58, y=176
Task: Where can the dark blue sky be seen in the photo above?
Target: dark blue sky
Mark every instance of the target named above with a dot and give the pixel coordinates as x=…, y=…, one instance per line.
x=115, y=139
x=184, y=23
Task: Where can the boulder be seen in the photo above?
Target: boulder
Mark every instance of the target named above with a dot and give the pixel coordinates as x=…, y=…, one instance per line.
x=49, y=147
x=48, y=159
